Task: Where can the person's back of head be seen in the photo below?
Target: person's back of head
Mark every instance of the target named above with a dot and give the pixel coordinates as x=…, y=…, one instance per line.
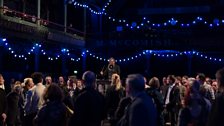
x=89, y=79
x=195, y=86
x=28, y=83
x=220, y=78
x=154, y=82
x=135, y=83
x=17, y=88
x=53, y=93
x=201, y=77
x=37, y=77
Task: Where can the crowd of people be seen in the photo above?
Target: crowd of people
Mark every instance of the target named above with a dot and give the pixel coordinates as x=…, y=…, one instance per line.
x=175, y=101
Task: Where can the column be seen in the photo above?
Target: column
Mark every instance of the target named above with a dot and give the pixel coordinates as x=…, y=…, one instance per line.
x=65, y=16
x=84, y=24
x=24, y=6
x=38, y=11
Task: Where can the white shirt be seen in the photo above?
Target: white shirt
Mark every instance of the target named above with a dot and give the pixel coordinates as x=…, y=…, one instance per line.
x=34, y=99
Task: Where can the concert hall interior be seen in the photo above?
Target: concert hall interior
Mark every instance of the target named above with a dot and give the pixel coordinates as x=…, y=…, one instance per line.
x=154, y=38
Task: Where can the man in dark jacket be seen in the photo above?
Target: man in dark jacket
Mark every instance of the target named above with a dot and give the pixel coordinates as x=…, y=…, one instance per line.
x=216, y=115
x=142, y=111
x=89, y=106
x=111, y=69
x=13, y=106
x=3, y=102
x=172, y=100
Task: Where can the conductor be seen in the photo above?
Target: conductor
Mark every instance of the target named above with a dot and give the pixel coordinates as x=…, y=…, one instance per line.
x=111, y=69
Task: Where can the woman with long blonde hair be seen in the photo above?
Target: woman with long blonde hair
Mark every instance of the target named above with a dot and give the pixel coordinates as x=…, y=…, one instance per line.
x=113, y=96
x=116, y=81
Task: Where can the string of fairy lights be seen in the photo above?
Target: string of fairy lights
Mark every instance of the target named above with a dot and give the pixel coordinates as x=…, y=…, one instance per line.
x=146, y=23
x=101, y=12
x=157, y=53
x=37, y=48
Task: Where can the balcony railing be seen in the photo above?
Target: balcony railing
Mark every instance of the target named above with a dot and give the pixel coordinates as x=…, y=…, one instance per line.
x=44, y=23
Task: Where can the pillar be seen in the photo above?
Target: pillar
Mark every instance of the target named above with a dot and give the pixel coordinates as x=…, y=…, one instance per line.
x=65, y=16
x=38, y=11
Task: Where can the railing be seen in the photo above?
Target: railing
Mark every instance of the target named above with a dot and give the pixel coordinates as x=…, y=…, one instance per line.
x=46, y=23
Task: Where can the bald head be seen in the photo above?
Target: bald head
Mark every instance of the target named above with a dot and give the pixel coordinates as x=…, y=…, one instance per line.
x=89, y=79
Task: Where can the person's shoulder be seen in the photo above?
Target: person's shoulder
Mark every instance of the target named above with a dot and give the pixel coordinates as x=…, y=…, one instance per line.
x=142, y=98
x=2, y=90
x=12, y=94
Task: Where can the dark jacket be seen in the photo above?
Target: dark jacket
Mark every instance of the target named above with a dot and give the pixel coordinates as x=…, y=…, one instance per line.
x=174, y=98
x=89, y=108
x=3, y=103
x=216, y=116
x=124, y=102
x=108, y=72
x=52, y=114
x=141, y=112
x=13, y=114
x=113, y=98
x=159, y=103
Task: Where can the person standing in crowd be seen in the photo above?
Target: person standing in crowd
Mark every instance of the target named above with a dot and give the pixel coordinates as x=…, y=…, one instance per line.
x=13, y=99
x=28, y=84
x=3, y=102
x=120, y=111
x=34, y=98
x=48, y=80
x=79, y=85
x=208, y=92
x=71, y=85
x=216, y=116
x=196, y=109
x=89, y=106
x=164, y=87
x=215, y=87
x=142, y=111
x=54, y=112
x=61, y=82
x=172, y=100
x=157, y=97
x=182, y=88
x=111, y=69
x=70, y=93
x=113, y=96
